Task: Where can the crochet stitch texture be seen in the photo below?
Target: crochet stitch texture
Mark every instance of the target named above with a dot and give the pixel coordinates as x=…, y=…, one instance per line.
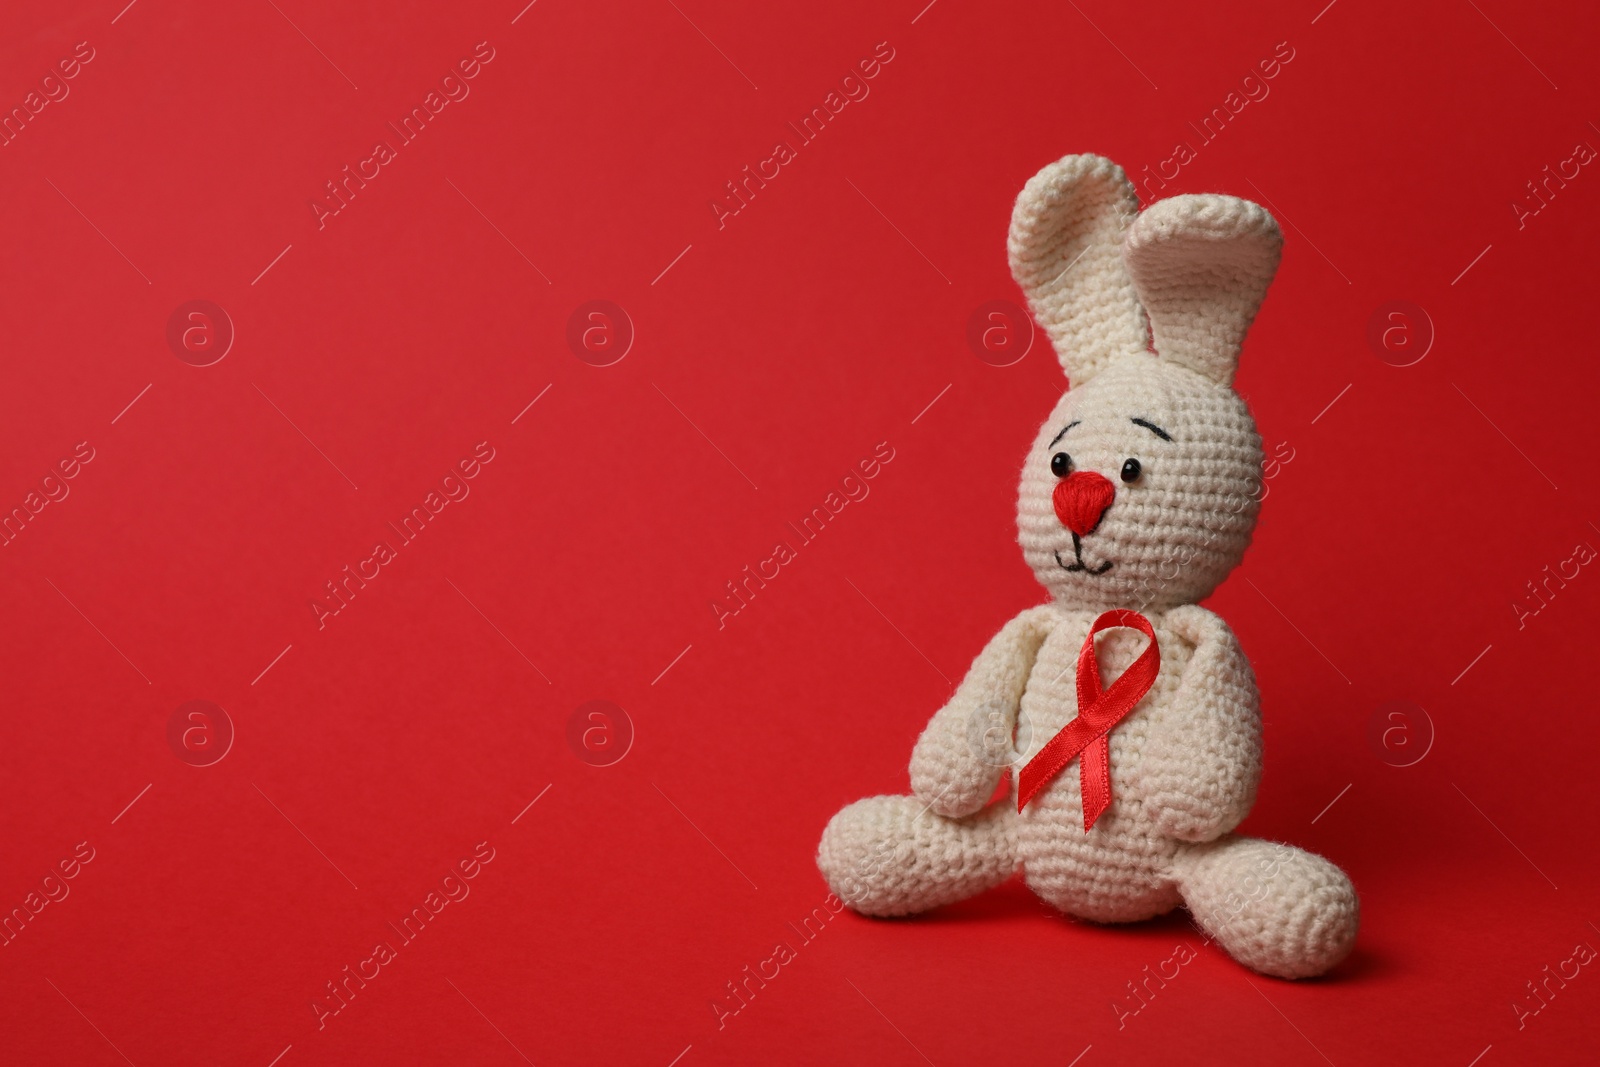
x=1113, y=286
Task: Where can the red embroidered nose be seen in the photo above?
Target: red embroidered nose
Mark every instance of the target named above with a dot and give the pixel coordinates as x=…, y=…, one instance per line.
x=1081, y=500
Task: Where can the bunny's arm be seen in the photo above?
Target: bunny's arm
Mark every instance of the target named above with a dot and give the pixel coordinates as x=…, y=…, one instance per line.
x=960, y=756
x=1201, y=770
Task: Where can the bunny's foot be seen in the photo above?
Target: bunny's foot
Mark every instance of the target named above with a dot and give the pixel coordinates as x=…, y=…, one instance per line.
x=892, y=856
x=1276, y=909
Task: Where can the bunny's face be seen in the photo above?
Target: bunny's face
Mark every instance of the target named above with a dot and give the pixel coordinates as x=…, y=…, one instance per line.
x=1142, y=488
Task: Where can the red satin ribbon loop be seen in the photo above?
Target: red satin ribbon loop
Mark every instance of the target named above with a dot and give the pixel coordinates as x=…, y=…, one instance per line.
x=1099, y=711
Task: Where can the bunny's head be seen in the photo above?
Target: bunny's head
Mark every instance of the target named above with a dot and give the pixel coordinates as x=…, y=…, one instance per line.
x=1142, y=488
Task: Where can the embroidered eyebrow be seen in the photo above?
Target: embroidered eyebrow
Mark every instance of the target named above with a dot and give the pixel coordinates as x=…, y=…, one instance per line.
x=1063, y=432
x=1153, y=428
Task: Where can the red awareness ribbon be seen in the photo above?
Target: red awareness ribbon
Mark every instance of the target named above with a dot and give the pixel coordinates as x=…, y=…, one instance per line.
x=1099, y=711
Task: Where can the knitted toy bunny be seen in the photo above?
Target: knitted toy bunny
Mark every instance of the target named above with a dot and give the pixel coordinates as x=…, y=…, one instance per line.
x=1135, y=755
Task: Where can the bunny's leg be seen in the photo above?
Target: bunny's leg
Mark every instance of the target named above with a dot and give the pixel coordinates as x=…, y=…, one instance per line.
x=1276, y=909
x=893, y=856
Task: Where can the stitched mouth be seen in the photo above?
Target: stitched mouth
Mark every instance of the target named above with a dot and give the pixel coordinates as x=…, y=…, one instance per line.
x=1079, y=565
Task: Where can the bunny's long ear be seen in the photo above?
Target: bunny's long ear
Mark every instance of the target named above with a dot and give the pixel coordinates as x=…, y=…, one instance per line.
x=1066, y=253
x=1201, y=265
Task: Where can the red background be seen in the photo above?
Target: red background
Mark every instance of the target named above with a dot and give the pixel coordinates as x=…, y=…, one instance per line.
x=415, y=724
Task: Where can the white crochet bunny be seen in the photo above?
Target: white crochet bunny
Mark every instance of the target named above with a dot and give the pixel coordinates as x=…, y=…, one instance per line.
x=1138, y=496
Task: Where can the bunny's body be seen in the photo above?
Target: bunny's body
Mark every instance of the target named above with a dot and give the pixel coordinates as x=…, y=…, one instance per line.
x=1139, y=494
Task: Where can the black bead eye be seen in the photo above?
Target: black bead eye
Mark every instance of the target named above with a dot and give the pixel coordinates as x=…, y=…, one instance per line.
x=1130, y=470
x=1060, y=464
